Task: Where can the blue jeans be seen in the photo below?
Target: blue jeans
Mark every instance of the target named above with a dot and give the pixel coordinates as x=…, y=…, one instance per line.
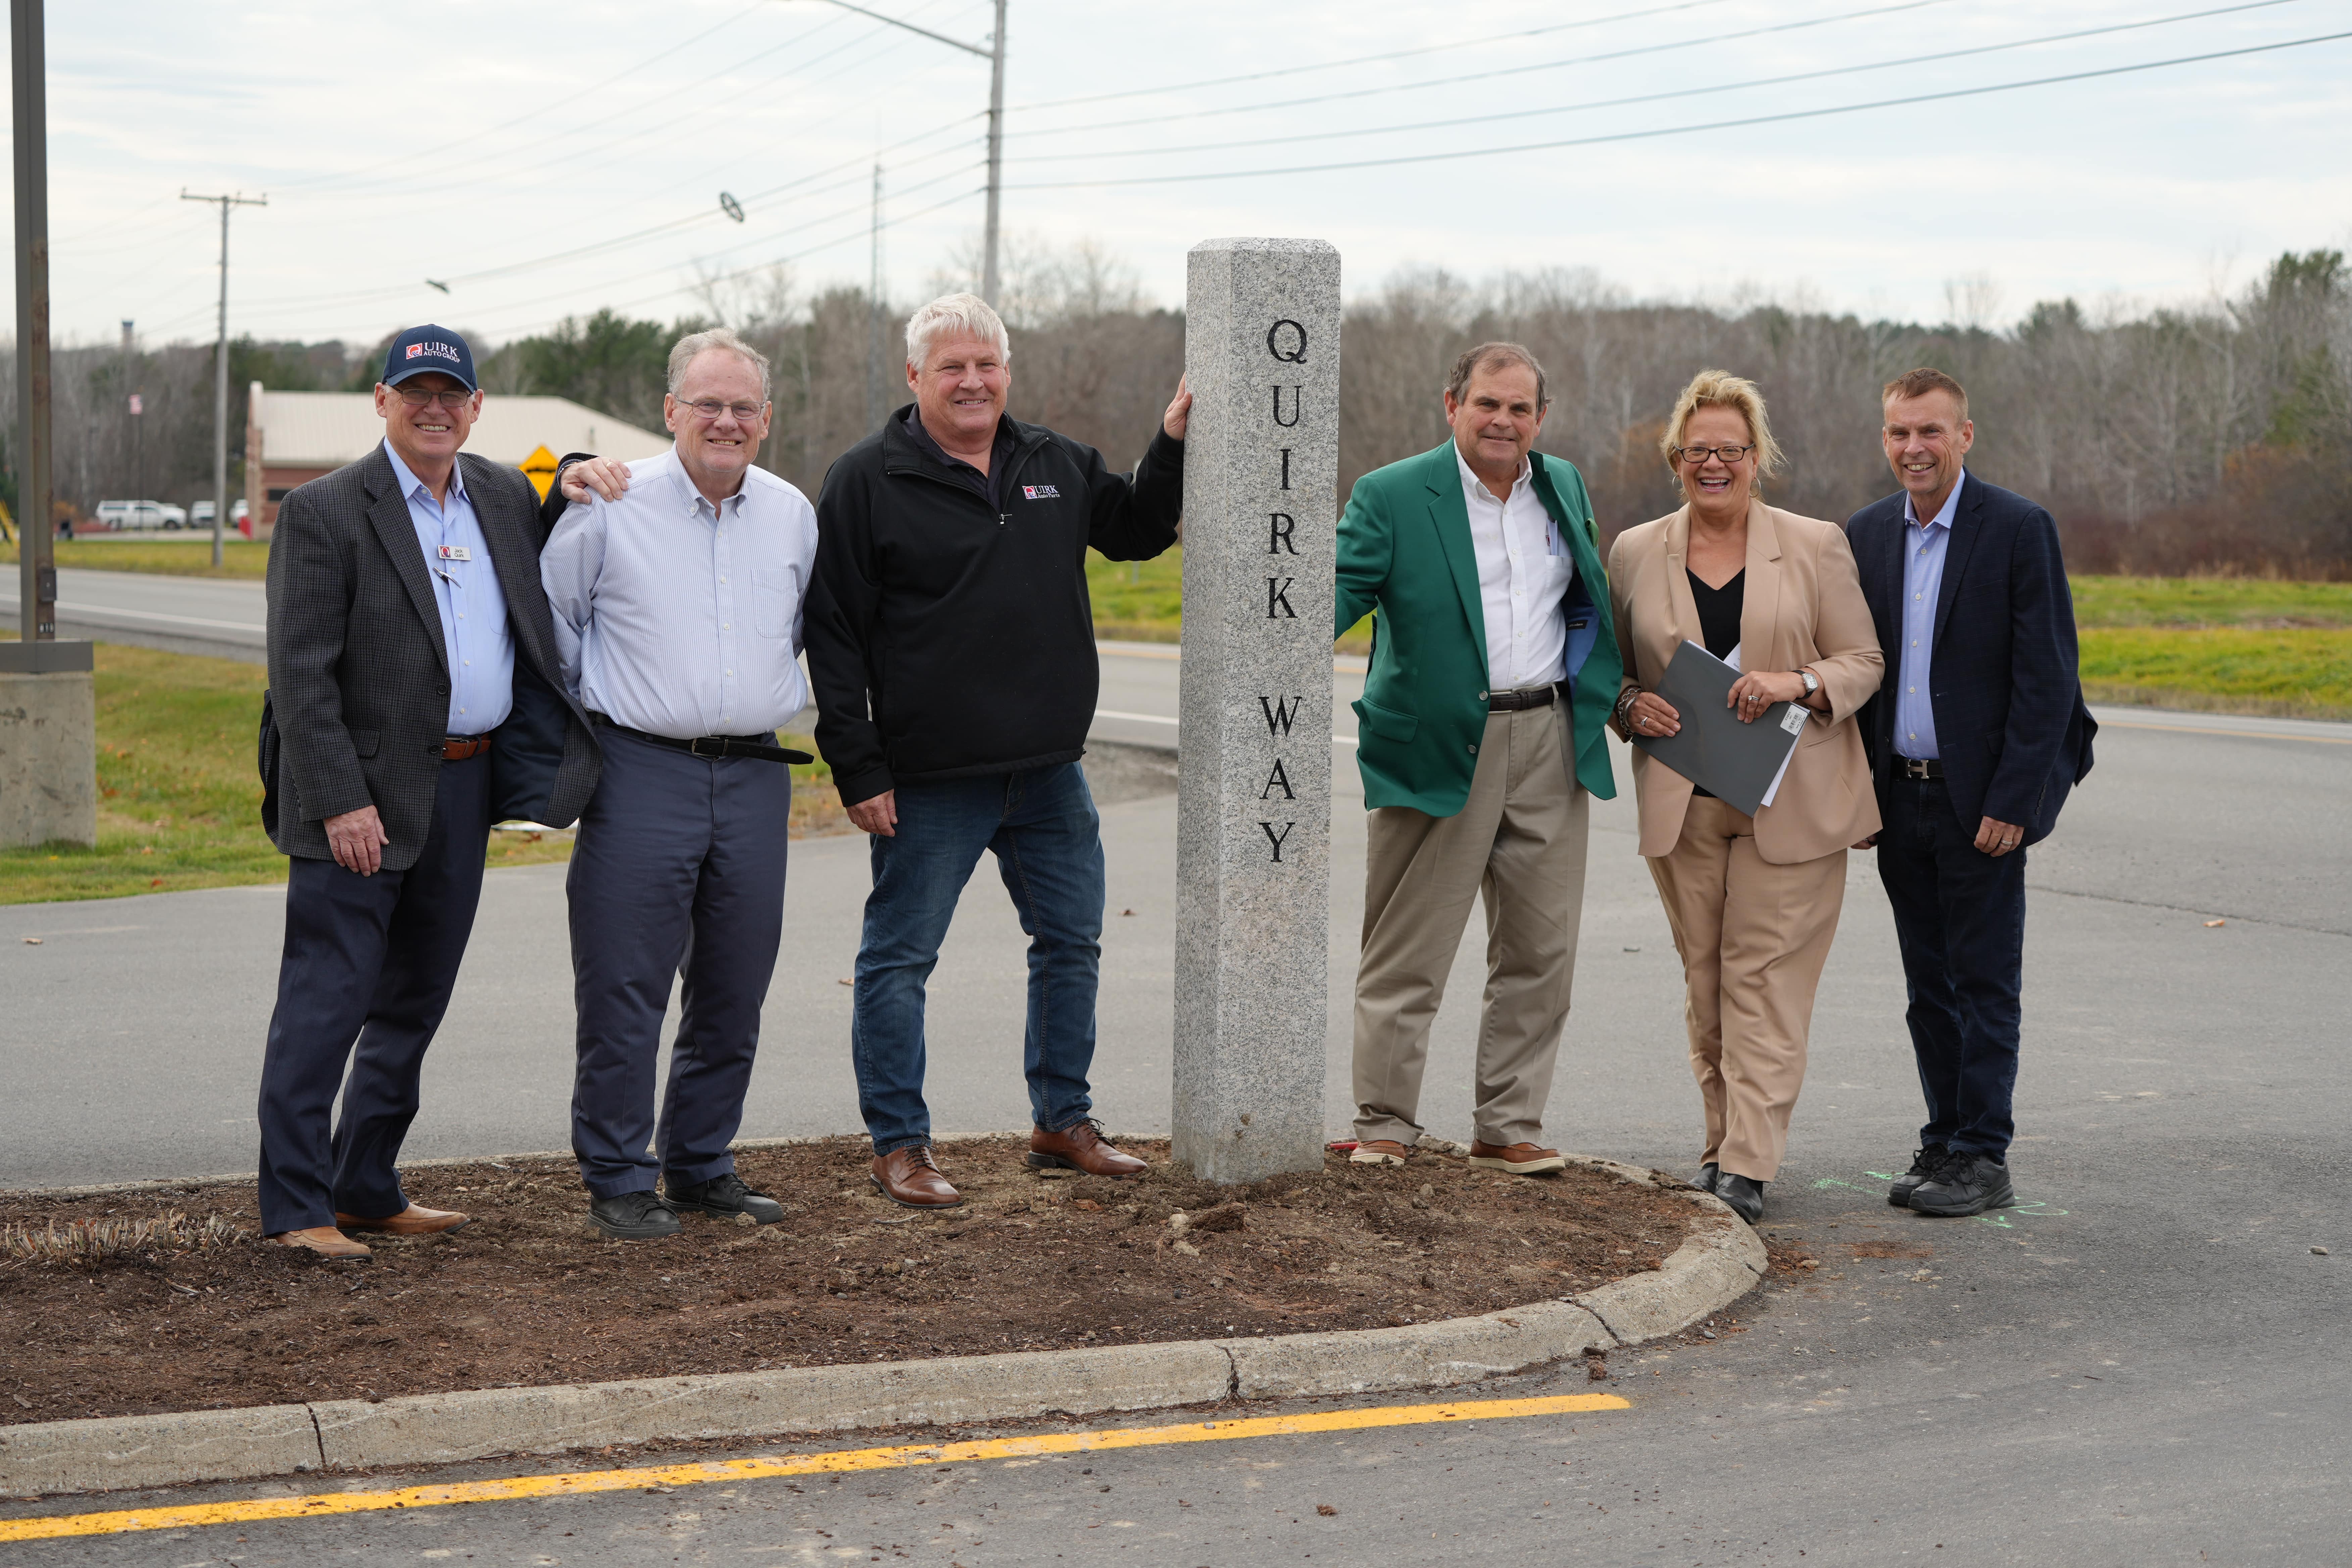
x=1960, y=920
x=1048, y=844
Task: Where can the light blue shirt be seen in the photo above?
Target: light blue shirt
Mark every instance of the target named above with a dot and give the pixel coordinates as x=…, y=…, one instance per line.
x=679, y=618
x=474, y=630
x=1925, y=545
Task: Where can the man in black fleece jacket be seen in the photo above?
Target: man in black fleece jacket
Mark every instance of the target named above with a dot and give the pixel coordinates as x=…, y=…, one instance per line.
x=950, y=644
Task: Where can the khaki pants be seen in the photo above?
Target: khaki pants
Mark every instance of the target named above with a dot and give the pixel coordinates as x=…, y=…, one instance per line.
x=1753, y=938
x=1519, y=839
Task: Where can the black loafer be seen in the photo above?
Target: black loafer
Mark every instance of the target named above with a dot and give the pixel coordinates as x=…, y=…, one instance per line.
x=634, y=1217
x=1923, y=1171
x=1966, y=1183
x=723, y=1197
x=1708, y=1177
x=1745, y=1197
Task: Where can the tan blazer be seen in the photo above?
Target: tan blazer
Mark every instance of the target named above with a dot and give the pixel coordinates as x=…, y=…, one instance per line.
x=1804, y=608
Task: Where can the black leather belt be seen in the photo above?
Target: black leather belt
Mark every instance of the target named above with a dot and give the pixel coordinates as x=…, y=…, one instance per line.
x=1520, y=699
x=762, y=747
x=1919, y=767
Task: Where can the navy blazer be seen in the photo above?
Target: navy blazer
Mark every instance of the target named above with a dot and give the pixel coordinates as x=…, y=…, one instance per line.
x=2006, y=681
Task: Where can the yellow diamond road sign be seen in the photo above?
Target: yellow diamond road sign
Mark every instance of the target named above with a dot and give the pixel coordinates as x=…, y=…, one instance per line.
x=539, y=468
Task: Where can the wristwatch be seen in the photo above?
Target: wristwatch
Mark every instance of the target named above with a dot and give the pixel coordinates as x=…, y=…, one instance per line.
x=1813, y=681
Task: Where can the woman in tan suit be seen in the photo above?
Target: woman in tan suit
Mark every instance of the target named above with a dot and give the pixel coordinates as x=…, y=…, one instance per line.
x=1753, y=901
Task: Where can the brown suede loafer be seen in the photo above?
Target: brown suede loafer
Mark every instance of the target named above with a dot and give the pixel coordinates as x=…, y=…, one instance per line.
x=324, y=1240
x=1081, y=1147
x=1518, y=1159
x=410, y=1221
x=907, y=1178
x=1379, y=1151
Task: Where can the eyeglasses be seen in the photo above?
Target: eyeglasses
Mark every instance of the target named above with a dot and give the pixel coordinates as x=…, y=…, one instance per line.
x=1696, y=455
x=454, y=398
x=711, y=408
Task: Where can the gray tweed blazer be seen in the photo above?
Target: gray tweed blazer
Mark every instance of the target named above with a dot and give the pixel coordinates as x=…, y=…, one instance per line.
x=359, y=678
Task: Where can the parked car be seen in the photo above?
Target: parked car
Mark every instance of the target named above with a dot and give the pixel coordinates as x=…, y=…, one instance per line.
x=200, y=517
x=141, y=514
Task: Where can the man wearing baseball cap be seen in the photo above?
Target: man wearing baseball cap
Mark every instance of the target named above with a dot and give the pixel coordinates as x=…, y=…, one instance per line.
x=410, y=705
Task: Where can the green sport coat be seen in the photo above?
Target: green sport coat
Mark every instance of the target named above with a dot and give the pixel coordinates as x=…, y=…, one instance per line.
x=1405, y=556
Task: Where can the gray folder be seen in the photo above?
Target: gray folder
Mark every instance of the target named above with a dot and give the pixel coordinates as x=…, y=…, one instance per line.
x=1737, y=762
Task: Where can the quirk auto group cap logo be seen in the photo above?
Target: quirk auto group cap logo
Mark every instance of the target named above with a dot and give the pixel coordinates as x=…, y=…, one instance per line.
x=437, y=350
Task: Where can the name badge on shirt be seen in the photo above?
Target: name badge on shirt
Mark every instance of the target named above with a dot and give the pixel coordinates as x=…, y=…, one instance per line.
x=456, y=552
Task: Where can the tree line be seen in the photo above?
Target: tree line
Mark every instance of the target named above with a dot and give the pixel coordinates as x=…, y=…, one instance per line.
x=2211, y=437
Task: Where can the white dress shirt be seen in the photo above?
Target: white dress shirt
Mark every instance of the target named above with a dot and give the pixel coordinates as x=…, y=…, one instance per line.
x=678, y=618
x=1524, y=571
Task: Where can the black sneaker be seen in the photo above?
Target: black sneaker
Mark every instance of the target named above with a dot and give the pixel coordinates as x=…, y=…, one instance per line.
x=1923, y=1170
x=722, y=1197
x=634, y=1217
x=1965, y=1184
x=1745, y=1197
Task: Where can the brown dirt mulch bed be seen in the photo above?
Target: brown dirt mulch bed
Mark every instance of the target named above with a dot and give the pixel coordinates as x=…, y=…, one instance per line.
x=529, y=1294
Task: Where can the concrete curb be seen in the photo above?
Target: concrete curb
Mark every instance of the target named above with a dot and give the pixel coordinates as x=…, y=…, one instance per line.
x=1720, y=1261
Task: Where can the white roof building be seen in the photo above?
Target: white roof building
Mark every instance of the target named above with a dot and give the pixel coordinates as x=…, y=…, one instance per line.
x=328, y=429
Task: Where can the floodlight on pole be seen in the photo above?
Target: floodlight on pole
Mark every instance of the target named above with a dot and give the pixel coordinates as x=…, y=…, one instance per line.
x=994, y=55
x=220, y=368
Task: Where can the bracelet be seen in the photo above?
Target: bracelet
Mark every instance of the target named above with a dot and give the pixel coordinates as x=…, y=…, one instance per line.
x=1625, y=706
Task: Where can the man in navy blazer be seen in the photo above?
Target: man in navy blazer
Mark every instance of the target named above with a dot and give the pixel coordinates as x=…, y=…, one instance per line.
x=1974, y=740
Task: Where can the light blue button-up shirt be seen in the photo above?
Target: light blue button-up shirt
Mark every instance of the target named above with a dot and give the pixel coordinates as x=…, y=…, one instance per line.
x=1925, y=545
x=679, y=618
x=474, y=630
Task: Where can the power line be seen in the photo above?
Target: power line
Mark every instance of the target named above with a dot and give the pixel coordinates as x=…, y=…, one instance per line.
x=1936, y=57
x=774, y=261
x=1688, y=129
x=1490, y=75
x=501, y=166
x=475, y=136
x=388, y=292
x=1371, y=59
x=859, y=211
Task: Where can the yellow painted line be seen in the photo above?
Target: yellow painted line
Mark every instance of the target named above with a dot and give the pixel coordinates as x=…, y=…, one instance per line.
x=321, y=1505
x=2232, y=734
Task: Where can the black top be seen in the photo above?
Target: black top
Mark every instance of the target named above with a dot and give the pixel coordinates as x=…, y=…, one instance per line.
x=949, y=636
x=989, y=486
x=1718, y=621
x=1718, y=611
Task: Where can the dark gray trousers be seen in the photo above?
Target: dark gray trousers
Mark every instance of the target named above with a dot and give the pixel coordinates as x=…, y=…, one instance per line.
x=679, y=870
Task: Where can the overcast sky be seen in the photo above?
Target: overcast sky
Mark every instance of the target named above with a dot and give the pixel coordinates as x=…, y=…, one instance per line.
x=472, y=142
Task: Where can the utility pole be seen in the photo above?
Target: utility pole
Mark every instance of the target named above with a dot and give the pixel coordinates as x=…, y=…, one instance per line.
x=994, y=55
x=220, y=368
x=48, y=694
x=138, y=469
x=874, y=399
x=37, y=592
x=988, y=276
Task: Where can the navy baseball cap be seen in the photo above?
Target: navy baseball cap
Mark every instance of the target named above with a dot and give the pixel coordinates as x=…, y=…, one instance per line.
x=429, y=347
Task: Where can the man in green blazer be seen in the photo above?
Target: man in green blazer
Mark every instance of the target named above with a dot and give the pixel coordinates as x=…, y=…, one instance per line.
x=1481, y=743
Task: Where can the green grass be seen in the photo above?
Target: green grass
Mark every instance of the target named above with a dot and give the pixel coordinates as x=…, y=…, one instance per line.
x=185, y=557
x=179, y=804
x=2183, y=602
x=2301, y=672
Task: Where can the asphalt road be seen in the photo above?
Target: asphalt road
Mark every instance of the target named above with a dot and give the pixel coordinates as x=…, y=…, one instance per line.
x=2144, y=1363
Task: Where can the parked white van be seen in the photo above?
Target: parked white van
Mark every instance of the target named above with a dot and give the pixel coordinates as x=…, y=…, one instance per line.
x=141, y=514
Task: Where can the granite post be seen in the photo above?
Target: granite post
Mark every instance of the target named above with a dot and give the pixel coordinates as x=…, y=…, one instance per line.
x=1254, y=791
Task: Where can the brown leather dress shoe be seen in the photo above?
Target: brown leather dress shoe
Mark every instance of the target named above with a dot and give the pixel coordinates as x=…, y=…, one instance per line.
x=1377, y=1152
x=1081, y=1147
x=1518, y=1159
x=907, y=1178
x=324, y=1240
x=410, y=1221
